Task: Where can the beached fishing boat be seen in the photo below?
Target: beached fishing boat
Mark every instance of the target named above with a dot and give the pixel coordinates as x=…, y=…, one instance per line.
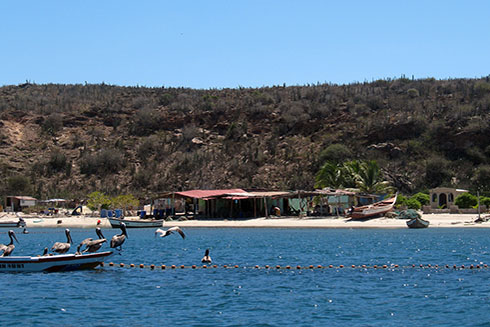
x=13, y=224
x=417, y=223
x=374, y=210
x=136, y=223
x=53, y=263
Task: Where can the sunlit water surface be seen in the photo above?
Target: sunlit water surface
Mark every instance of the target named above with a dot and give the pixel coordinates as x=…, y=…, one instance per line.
x=260, y=297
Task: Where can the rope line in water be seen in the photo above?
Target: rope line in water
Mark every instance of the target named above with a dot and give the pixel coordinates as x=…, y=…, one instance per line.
x=288, y=267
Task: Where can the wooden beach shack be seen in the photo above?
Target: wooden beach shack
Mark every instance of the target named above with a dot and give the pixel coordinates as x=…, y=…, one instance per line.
x=17, y=203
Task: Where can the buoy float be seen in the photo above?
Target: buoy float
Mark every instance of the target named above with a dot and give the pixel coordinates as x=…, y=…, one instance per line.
x=363, y=266
x=132, y=265
x=375, y=266
x=330, y=266
x=256, y=266
x=163, y=267
x=236, y=266
x=353, y=266
x=142, y=265
x=182, y=266
x=193, y=266
x=173, y=266
x=225, y=266
x=298, y=267
x=266, y=266
x=215, y=266
x=111, y=264
x=341, y=266
x=204, y=266
x=385, y=266
x=311, y=267
x=288, y=267
x=152, y=266
x=121, y=264
x=278, y=267
x=319, y=266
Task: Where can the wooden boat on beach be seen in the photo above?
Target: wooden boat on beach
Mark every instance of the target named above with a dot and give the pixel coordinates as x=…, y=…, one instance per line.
x=417, y=223
x=136, y=223
x=53, y=263
x=13, y=224
x=373, y=210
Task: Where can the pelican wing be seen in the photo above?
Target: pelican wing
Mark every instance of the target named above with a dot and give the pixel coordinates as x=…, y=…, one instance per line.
x=178, y=230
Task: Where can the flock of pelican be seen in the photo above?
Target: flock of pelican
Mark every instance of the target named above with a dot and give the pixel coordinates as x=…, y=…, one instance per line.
x=93, y=245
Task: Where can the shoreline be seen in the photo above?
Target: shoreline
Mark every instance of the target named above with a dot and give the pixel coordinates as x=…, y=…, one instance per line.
x=436, y=221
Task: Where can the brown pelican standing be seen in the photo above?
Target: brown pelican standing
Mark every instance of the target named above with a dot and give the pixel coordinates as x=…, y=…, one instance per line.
x=60, y=247
x=171, y=230
x=118, y=240
x=7, y=249
x=93, y=245
x=206, y=258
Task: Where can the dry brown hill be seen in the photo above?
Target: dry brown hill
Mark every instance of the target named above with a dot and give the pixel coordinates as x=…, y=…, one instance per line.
x=69, y=140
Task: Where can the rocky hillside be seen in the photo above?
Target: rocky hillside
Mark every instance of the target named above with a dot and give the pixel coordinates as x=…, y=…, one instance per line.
x=69, y=140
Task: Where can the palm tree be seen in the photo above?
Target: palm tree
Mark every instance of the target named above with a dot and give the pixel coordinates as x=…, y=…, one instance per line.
x=330, y=175
x=370, y=180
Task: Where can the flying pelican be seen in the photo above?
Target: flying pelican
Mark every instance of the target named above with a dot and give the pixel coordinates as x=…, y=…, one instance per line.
x=61, y=247
x=93, y=246
x=118, y=240
x=171, y=230
x=7, y=249
x=206, y=258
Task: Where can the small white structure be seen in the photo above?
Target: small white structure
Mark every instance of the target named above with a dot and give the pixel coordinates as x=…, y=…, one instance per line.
x=16, y=203
x=443, y=197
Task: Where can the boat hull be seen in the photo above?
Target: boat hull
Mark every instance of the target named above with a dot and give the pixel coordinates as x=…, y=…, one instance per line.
x=417, y=223
x=12, y=224
x=64, y=262
x=374, y=210
x=116, y=222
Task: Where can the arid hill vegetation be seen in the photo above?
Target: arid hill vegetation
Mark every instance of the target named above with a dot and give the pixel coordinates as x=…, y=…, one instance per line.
x=70, y=140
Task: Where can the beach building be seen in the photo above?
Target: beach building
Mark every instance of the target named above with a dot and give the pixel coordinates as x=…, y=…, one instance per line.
x=17, y=203
x=444, y=197
x=240, y=203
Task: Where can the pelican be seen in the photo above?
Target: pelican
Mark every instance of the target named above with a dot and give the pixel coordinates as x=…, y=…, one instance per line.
x=61, y=247
x=171, y=230
x=118, y=240
x=94, y=245
x=78, y=249
x=7, y=249
x=206, y=258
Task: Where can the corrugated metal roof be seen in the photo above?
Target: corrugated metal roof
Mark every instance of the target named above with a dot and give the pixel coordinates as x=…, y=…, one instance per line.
x=201, y=194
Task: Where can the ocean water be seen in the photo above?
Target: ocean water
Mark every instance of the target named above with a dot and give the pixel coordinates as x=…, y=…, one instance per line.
x=402, y=296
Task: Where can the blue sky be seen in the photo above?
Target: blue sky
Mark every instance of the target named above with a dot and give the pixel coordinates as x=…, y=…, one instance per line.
x=218, y=44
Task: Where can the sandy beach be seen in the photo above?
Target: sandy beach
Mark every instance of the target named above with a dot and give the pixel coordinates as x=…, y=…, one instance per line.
x=436, y=220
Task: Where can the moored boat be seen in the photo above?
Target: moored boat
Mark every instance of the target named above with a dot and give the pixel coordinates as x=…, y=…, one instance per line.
x=417, y=223
x=373, y=210
x=136, y=223
x=13, y=224
x=52, y=263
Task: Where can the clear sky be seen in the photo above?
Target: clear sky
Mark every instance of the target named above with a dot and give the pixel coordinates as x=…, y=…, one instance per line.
x=232, y=43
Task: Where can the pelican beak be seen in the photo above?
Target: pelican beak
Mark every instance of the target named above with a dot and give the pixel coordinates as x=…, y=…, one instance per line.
x=15, y=237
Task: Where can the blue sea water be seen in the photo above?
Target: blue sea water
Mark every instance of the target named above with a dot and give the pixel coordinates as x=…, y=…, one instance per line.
x=246, y=296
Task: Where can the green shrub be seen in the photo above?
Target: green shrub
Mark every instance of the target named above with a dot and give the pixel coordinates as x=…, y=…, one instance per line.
x=466, y=200
x=401, y=200
x=52, y=124
x=484, y=200
x=412, y=203
x=422, y=198
x=335, y=153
